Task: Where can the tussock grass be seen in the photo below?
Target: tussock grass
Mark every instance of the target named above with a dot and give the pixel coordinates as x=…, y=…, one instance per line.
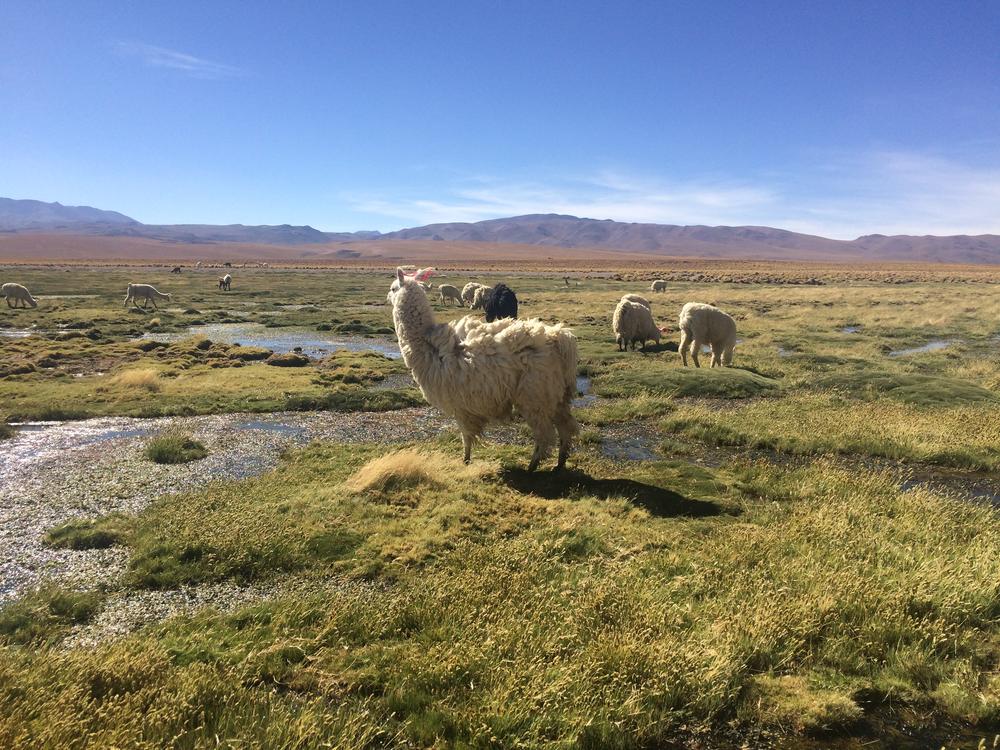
x=961, y=436
x=590, y=624
x=145, y=379
x=6, y=431
x=44, y=615
x=89, y=533
x=174, y=448
x=411, y=468
x=663, y=378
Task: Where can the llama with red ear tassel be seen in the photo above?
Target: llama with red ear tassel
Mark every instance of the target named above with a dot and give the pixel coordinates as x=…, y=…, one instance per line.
x=481, y=373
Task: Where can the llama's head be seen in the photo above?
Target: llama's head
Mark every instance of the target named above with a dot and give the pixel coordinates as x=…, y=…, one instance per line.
x=415, y=278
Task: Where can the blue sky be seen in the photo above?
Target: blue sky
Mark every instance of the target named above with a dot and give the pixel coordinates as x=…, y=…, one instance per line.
x=834, y=118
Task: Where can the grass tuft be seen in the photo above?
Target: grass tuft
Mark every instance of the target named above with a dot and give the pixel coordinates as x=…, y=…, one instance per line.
x=174, y=448
x=148, y=380
x=88, y=533
x=45, y=615
x=411, y=468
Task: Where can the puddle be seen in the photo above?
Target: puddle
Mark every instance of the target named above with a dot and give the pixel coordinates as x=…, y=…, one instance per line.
x=114, y=434
x=279, y=427
x=18, y=333
x=628, y=449
x=585, y=397
x=282, y=340
x=850, y=329
x=968, y=488
x=33, y=426
x=930, y=346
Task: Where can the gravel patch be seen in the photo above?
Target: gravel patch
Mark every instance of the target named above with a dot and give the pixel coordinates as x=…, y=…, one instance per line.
x=53, y=472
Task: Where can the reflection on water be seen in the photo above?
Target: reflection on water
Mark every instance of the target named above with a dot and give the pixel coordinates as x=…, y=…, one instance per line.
x=281, y=340
x=930, y=346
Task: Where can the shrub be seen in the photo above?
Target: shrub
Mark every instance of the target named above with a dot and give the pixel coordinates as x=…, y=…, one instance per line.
x=175, y=448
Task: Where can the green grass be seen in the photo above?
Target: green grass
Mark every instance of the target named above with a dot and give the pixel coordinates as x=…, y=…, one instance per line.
x=496, y=608
x=698, y=600
x=661, y=378
x=828, y=423
x=88, y=533
x=45, y=615
x=174, y=448
x=920, y=390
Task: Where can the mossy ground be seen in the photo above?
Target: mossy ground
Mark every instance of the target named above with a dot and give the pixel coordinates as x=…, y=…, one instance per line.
x=627, y=605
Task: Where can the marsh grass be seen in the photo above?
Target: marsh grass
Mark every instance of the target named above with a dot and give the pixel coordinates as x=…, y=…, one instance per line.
x=44, y=615
x=410, y=468
x=89, y=533
x=146, y=379
x=626, y=605
x=174, y=448
x=504, y=617
x=959, y=436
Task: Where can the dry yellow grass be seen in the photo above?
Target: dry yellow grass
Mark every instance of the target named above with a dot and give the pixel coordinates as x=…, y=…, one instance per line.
x=146, y=379
x=412, y=468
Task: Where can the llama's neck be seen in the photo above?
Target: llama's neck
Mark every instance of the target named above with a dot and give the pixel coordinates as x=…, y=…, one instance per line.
x=416, y=329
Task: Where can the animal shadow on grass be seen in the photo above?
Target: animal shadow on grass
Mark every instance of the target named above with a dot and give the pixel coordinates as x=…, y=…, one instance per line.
x=665, y=346
x=568, y=483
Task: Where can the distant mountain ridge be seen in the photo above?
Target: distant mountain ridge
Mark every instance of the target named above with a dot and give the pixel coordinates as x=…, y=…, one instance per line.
x=29, y=214
x=552, y=230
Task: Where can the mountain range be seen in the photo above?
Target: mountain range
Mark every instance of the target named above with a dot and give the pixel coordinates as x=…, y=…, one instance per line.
x=552, y=230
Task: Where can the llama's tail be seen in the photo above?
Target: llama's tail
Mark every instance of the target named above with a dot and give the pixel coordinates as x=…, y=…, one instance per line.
x=567, y=350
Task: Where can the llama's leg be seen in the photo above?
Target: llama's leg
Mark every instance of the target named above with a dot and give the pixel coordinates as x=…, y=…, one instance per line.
x=695, y=349
x=155, y=306
x=567, y=428
x=8, y=302
x=467, y=439
x=716, y=356
x=542, y=429
x=685, y=343
x=727, y=355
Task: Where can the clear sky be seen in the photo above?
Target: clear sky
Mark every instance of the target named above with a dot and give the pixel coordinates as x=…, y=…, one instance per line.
x=839, y=118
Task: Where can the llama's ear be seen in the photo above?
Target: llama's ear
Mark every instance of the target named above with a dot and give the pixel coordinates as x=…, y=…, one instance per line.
x=400, y=276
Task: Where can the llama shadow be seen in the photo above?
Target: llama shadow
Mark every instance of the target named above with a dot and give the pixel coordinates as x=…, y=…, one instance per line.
x=570, y=483
x=666, y=346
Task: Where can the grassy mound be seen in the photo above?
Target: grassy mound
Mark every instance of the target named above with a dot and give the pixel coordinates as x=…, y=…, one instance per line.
x=660, y=378
x=174, y=448
x=88, y=533
x=411, y=468
x=45, y=615
x=920, y=390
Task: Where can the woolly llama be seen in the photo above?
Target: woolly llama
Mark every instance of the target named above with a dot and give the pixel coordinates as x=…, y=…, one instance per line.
x=480, y=373
x=500, y=302
x=17, y=293
x=144, y=291
x=633, y=322
x=447, y=292
x=225, y=282
x=658, y=286
x=703, y=324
